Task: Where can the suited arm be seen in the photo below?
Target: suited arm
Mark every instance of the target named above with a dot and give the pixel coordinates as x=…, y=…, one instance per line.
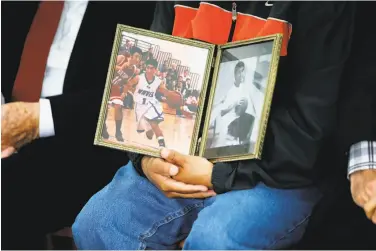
x=75, y=115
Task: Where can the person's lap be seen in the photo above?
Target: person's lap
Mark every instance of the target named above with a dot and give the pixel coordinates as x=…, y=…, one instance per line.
x=131, y=213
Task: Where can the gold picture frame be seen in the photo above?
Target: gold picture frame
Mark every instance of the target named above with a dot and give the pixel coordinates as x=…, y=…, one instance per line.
x=218, y=155
x=204, y=77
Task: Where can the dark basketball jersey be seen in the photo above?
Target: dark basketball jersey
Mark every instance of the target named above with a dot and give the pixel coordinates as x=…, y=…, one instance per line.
x=120, y=79
x=122, y=76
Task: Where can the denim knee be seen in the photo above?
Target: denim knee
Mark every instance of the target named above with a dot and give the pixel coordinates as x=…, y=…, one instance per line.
x=209, y=238
x=85, y=226
x=259, y=218
x=102, y=222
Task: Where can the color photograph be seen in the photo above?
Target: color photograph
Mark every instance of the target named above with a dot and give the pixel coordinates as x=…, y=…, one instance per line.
x=155, y=93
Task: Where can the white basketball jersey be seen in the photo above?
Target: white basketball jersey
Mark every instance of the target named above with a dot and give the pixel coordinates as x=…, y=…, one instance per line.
x=145, y=91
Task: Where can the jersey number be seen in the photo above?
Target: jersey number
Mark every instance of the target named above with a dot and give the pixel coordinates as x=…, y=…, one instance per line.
x=143, y=101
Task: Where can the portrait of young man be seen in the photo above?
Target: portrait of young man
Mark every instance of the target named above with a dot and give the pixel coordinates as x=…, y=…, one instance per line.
x=233, y=114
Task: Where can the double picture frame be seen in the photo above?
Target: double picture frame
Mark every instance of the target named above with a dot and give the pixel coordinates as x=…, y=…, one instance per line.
x=190, y=96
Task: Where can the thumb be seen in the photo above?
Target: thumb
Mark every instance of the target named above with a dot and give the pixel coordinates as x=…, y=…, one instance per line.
x=370, y=207
x=174, y=170
x=161, y=167
x=173, y=157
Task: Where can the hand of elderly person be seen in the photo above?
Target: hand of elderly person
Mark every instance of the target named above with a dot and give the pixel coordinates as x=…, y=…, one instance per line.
x=363, y=191
x=19, y=126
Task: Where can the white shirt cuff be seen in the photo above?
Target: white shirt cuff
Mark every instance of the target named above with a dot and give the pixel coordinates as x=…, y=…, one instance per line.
x=46, y=121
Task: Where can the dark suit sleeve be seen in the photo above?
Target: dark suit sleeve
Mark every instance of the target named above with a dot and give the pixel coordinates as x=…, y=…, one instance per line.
x=73, y=112
x=358, y=98
x=75, y=117
x=300, y=124
x=163, y=22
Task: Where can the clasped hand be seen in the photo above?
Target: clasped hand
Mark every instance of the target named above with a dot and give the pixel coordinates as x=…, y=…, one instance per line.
x=178, y=175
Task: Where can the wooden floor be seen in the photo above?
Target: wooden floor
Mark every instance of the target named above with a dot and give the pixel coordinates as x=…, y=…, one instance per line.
x=176, y=131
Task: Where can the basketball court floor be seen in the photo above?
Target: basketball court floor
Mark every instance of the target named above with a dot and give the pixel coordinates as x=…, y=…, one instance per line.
x=177, y=132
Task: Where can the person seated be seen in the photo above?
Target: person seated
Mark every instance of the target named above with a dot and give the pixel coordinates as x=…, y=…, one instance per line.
x=154, y=203
x=53, y=91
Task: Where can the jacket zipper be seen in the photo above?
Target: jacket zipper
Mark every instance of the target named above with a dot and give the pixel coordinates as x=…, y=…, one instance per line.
x=233, y=17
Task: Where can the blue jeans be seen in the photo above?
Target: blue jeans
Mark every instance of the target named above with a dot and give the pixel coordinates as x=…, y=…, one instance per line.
x=131, y=213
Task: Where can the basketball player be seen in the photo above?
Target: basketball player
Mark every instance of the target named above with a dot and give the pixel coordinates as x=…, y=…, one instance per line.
x=125, y=75
x=234, y=104
x=148, y=109
x=121, y=60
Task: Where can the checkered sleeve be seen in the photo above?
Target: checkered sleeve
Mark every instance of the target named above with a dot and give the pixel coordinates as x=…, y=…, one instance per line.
x=362, y=156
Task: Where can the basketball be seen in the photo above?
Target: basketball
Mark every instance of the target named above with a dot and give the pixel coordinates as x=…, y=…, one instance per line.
x=241, y=107
x=174, y=100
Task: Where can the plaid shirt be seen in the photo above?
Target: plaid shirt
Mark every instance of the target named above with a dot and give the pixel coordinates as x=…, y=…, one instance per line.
x=362, y=156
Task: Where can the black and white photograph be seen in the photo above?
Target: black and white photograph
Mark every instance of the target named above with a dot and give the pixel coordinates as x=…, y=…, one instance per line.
x=155, y=92
x=236, y=113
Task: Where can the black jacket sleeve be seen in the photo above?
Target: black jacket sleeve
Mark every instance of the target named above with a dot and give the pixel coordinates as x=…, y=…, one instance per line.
x=164, y=16
x=357, y=114
x=304, y=104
